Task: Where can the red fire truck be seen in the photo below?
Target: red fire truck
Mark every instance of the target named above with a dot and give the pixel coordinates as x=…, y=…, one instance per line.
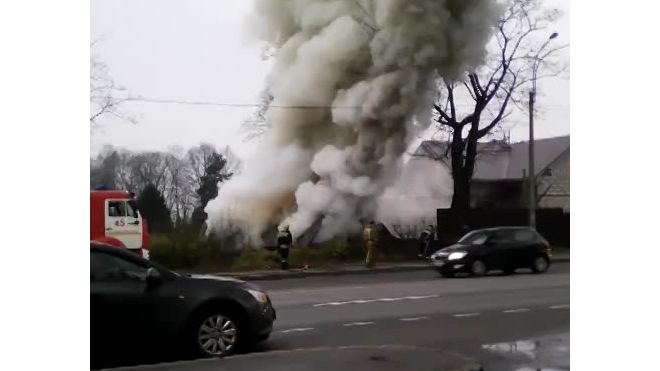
x=115, y=220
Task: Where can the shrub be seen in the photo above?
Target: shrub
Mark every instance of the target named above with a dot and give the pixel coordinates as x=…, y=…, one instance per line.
x=256, y=259
x=175, y=256
x=188, y=250
x=162, y=250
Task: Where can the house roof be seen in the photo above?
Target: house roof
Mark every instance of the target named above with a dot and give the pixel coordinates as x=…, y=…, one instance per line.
x=497, y=160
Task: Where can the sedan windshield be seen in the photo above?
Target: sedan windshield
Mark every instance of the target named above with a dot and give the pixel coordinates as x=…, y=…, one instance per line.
x=474, y=238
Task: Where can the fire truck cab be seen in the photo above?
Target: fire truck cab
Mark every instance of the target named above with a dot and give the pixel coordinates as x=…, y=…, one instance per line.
x=116, y=220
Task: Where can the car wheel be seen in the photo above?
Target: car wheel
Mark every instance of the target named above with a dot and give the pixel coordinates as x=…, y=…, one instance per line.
x=478, y=268
x=540, y=264
x=447, y=274
x=217, y=334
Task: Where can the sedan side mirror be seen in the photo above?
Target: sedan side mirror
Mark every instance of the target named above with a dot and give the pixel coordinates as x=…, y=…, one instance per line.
x=153, y=277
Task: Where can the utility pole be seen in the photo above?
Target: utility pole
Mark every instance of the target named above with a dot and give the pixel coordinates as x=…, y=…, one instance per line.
x=532, y=172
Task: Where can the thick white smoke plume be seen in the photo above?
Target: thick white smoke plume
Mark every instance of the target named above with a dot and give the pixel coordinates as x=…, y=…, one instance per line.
x=352, y=80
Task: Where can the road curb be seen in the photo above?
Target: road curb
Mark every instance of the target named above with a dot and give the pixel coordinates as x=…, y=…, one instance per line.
x=278, y=275
x=305, y=274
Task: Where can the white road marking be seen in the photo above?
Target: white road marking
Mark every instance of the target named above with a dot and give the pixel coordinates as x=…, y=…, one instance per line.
x=466, y=314
x=413, y=319
x=324, y=289
x=562, y=306
x=519, y=310
x=297, y=330
x=364, y=301
x=389, y=285
x=357, y=324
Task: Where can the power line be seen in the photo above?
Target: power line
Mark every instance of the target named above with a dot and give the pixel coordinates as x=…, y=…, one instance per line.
x=254, y=105
x=202, y=103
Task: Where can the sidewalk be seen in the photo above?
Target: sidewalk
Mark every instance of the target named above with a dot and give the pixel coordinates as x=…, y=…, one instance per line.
x=348, y=269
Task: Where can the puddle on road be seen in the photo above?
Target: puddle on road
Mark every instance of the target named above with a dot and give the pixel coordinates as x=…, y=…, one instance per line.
x=543, y=354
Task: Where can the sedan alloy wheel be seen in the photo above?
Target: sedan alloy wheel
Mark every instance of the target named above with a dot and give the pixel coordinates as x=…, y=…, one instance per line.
x=217, y=336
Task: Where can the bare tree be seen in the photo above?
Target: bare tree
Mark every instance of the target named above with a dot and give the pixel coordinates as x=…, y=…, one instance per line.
x=106, y=97
x=179, y=192
x=103, y=169
x=149, y=168
x=126, y=178
x=135, y=170
x=495, y=88
x=176, y=173
x=198, y=159
x=168, y=171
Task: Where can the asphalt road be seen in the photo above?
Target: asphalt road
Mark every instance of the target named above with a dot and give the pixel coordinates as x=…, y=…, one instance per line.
x=400, y=316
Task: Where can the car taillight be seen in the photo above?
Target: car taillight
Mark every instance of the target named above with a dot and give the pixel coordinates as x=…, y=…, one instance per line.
x=547, y=248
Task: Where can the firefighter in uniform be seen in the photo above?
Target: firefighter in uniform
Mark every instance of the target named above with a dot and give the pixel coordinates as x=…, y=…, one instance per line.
x=284, y=242
x=370, y=236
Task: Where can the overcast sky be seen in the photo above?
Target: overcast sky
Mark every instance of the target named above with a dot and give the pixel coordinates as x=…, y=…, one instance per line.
x=193, y=50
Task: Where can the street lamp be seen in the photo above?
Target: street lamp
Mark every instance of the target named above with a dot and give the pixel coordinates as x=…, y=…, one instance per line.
x=532, y=172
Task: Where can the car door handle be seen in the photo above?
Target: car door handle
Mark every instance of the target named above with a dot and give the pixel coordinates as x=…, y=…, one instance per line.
x=137, y=222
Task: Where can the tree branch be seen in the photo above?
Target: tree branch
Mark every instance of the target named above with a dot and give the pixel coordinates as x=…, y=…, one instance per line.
x=469, y=90
x=481, y=133
x=478, y=83
x=448, y=120
x=450, y=100
x=467, y=120
x=475, y=87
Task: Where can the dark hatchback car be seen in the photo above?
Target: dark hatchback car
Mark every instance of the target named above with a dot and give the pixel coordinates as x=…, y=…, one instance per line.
x=501, y=248
x=139, y=309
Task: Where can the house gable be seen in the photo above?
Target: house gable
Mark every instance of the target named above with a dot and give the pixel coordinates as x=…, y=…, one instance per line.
x=497, y=160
